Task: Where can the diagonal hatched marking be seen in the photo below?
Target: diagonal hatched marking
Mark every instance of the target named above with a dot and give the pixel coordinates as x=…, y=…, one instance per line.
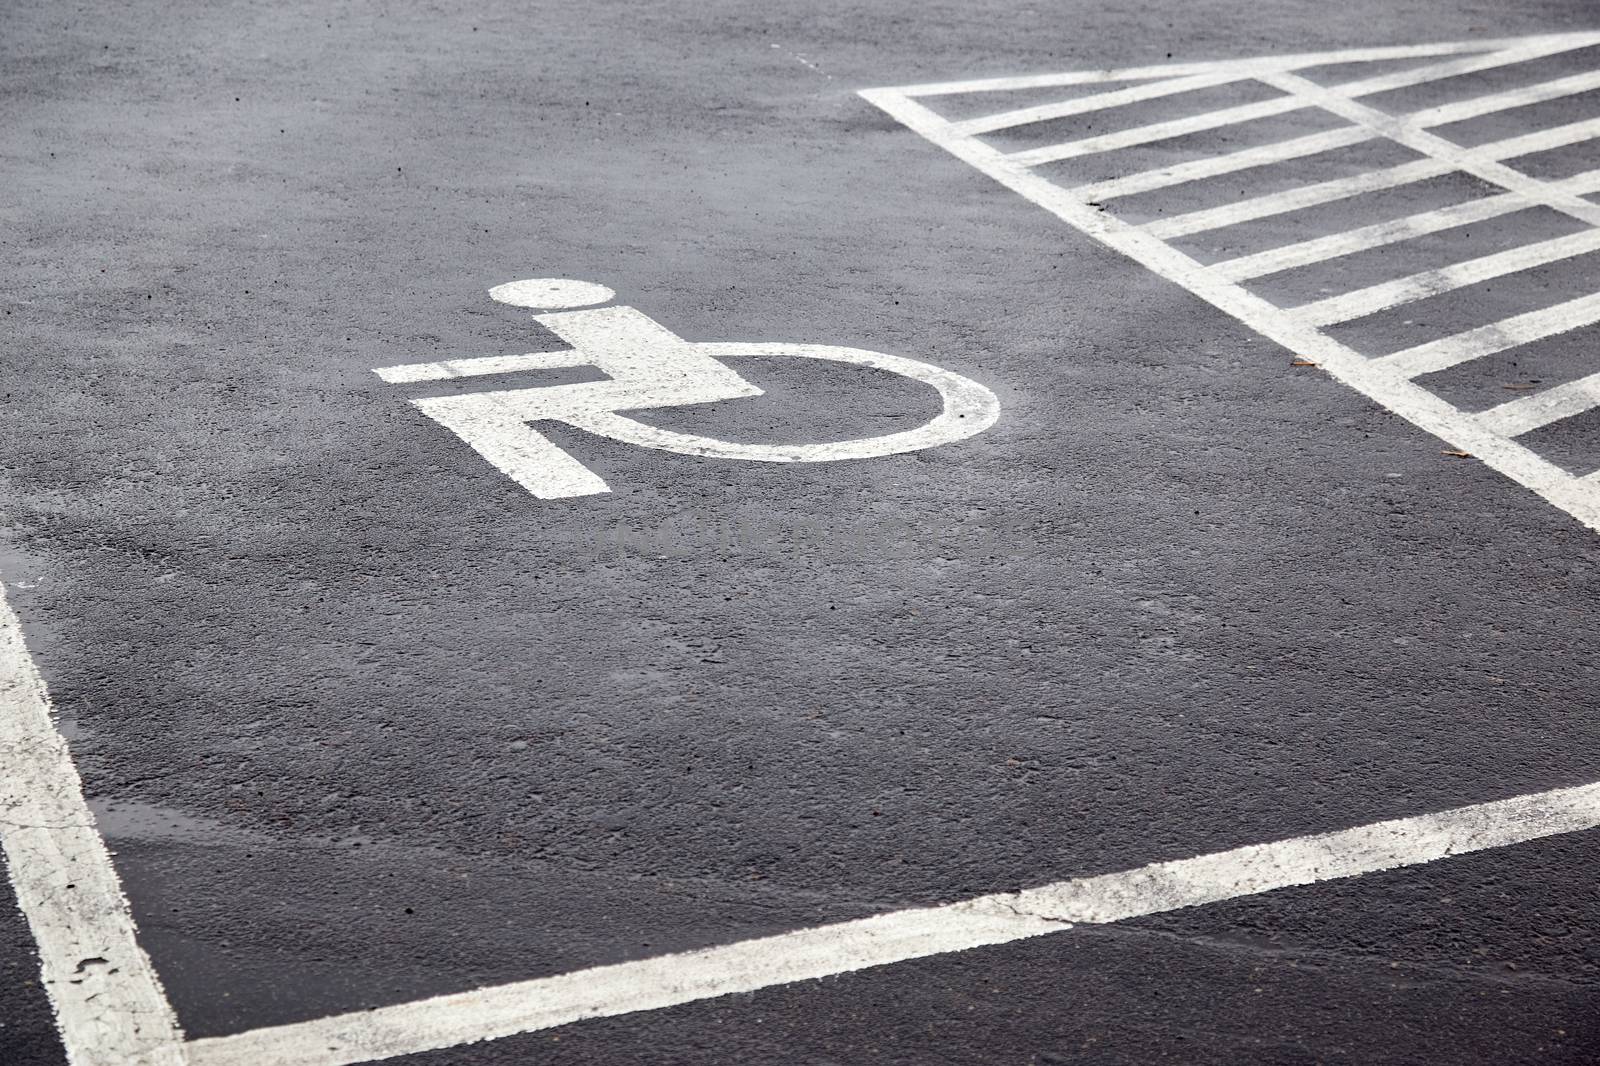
x=1345, y=188
x=1159, y=131
x=1280, y=203
x=1217, y=165
x=1528, y=413
x=1387, y=379
x=1298, y=61
x=1427, y=283
x=1478, y=164
x=1477, y=106
x=1495, y=337
x=1311, y=144
x=1292, y=101
x=1151, y=90
x=1334, y=245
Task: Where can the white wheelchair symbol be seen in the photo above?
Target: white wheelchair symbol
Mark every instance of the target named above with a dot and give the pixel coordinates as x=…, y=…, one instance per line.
x=649, y=367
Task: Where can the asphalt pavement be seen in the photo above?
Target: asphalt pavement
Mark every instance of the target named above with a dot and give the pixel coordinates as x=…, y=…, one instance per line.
x=364, y=721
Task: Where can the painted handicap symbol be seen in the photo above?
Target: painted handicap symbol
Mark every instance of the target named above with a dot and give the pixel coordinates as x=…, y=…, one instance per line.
x=649, y=367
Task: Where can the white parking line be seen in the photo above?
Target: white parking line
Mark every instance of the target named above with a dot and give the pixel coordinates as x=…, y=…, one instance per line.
x=1156, y=131
x=845, y=947
x=1469, y=161
x=1444, y=114
x=1280, y=203
x=109, y=1005
x=1292, y=101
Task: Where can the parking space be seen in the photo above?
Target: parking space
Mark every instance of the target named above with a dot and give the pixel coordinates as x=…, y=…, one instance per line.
x=816, y=536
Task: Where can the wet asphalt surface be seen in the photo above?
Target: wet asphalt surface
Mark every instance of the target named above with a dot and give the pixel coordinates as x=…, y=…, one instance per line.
x=363, y=721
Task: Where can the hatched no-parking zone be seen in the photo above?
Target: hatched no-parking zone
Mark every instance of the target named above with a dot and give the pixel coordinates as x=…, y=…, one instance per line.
x=1340, y=117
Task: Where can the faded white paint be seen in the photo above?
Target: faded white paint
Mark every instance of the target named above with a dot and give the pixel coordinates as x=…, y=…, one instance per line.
x=1464, y=160
x=650, y=368
x=1151, y=90
x=1295, y=199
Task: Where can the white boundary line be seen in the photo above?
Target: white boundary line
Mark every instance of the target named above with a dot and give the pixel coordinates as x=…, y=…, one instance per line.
x=845, y=947
x=111, y=1008
x=109, y=1005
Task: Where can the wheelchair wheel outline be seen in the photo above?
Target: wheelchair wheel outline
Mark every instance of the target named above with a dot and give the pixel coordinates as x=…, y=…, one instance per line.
x=969, y=409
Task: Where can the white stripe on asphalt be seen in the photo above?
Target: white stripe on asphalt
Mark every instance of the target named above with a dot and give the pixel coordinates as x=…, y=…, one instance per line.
x=112, y=1012
x=1529, y=413
x=1374, y=298
x=824, y=951
x=473, y=366
x=1334, y=245
x=1539, y=141
x=1311, y=144
x=1150, y=90
x=1404, y=174
x=1475, y=106
x=1495, y=337
x=1318, y=249
x=1158, y=131
x=109, y=1005
x=1249, y=67
x=1226, y=163
x=1516, y=52
x=1475, y=162
x=1296, y=199
x=1297, y=99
